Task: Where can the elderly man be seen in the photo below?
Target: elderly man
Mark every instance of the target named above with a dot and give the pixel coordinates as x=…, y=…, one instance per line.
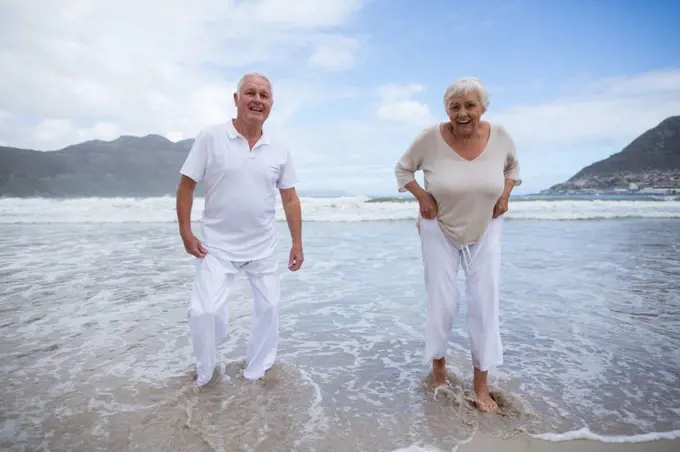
x=241, y=167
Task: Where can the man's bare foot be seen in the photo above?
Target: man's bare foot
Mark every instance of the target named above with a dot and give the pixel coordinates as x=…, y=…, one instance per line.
x=484, y=400
x=439, y=371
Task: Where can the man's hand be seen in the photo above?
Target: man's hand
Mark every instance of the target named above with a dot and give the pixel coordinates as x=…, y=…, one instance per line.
x=296, y=258
x=501, y=206
x=193, y=245
x=185, y=199
x=291, y=206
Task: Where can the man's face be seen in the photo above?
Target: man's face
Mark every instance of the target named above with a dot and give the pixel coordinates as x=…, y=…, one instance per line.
x=254, y=101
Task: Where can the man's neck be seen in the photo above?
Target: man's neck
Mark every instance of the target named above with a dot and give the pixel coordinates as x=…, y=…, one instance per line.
x=251, y=132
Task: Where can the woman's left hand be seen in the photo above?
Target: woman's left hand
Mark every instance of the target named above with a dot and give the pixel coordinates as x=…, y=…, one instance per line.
x=501, y=206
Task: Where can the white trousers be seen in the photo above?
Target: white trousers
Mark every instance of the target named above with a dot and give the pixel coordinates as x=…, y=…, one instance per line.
x=208, y=313
x=482, y=266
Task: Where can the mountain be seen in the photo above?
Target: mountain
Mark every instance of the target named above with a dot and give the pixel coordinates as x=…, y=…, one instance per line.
x=649, y=164
x=127, y=166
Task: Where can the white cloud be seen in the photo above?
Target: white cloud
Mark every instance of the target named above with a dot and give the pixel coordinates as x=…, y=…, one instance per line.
x=306, y=13
x=609, y=112
x=335, y=53
x=90, y=69
x=397, y=105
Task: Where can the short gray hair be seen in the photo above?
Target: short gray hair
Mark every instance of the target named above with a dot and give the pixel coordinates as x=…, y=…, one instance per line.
x=251, y=74
x=466, y=85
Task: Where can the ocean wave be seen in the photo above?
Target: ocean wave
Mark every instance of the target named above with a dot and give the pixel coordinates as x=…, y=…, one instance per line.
x=347, y=209
x=525, y=198
x=585, y=433
x=580, y=434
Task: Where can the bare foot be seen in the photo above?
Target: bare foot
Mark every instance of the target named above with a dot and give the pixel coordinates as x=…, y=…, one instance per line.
x=484, y=400
x=439, y=371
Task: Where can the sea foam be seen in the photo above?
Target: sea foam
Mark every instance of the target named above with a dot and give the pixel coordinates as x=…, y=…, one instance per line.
x=346, y=209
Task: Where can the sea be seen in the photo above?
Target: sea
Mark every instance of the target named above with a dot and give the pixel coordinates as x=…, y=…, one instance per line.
x=95, y=353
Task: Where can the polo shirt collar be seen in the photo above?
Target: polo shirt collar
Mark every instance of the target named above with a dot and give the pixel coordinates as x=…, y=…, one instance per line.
x=233, y=134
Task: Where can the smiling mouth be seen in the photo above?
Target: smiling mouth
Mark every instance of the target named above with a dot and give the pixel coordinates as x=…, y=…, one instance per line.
x=468, y=121
x=256, y=108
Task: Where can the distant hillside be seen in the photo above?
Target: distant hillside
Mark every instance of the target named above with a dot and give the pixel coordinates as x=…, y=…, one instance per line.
x=650, y=163
x=128, y=167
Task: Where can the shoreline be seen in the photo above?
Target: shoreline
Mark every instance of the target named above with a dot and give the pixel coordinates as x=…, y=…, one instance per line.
x=524, y=443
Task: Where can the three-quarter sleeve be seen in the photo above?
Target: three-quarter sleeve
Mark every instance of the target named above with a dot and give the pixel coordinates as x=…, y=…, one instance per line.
x=410, y=162
x=511, y=169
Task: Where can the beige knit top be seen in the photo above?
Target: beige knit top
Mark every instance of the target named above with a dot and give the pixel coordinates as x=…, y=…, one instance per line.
x=465, y=190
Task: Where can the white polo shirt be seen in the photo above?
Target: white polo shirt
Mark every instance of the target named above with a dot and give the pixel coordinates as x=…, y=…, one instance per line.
x=241, y=188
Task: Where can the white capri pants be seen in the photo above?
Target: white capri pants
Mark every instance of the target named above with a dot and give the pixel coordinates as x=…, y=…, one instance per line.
x=208, y=313
x=482, y=266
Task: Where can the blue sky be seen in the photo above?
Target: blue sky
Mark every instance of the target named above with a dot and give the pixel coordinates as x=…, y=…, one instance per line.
x=354, y=80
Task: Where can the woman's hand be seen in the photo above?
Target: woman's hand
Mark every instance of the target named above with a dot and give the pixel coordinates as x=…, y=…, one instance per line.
x=501, y=206
x=428, y=206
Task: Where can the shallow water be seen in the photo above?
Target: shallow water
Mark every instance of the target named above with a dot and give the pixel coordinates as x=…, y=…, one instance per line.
x=95, y=352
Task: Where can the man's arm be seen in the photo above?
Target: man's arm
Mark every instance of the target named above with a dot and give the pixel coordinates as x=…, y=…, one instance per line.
x=293, y=211
x=185, y=200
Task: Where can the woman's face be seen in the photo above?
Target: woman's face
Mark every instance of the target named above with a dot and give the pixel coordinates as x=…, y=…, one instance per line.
x=464, y=112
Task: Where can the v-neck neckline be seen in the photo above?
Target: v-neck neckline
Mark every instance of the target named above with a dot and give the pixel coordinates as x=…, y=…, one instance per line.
x=451, y=148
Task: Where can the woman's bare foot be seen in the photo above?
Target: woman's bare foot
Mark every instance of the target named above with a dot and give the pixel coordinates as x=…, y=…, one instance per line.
x=484, y=400
x=439, y=371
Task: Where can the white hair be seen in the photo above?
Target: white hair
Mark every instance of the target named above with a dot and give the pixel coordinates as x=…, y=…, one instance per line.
x=466, y=85
x=251, y=74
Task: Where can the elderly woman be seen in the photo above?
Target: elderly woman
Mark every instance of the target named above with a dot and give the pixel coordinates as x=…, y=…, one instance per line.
x=470, y=167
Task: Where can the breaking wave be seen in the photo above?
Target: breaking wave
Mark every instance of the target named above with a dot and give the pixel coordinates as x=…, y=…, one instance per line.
x=344, y=209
